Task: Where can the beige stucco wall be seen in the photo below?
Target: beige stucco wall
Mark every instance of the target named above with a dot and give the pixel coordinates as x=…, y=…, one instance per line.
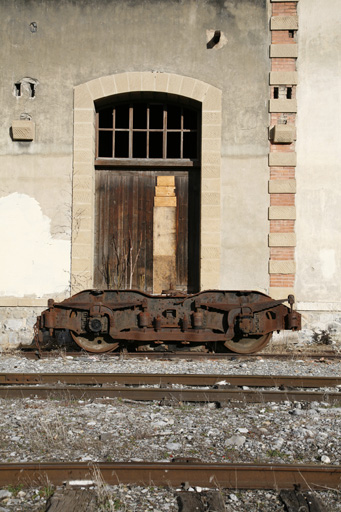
x=78, y=42
x=318, y=252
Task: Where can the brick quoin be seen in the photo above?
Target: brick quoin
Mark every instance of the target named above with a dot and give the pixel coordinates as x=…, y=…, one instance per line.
x=284, y=9
x=282, y=253
x=284, y=118
x=284, y=64
x=282, y=37
x=282, y=199
x=282, y=148
x=285, y=280
x=282, y=226
x=282, y=173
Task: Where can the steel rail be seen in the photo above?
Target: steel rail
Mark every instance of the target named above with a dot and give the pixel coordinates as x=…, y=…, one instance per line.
x=166, y=394
x=35, y=354
x=230, y=476
x=163, y=379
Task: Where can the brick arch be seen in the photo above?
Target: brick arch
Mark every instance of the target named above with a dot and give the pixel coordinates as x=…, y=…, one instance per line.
x=83, y=185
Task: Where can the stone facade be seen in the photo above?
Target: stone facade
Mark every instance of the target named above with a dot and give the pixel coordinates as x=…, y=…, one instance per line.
x=269, y=181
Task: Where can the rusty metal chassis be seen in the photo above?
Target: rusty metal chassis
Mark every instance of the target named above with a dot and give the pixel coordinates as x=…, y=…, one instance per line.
x=204, y=317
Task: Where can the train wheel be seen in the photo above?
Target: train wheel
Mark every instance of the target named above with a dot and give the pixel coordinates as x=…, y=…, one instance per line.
x=248, y=345
x=95, y=343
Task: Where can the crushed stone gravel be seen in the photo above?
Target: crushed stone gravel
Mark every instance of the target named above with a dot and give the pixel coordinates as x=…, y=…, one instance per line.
x=122, y=430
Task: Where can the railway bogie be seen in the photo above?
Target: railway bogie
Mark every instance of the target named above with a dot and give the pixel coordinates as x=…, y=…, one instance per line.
x=106, y=320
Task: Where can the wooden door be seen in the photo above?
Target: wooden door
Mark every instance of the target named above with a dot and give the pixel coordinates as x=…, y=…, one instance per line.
x=124, y=229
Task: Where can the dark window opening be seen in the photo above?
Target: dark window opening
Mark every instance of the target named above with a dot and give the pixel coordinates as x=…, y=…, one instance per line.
x=276, y=93
x=291, y=34
x=121, y=144
x=147, y=130
x=121, y=116
x=289, y=93
x=156, y=117
x=139, y=145
x=155, y=145
x=17, y=89
x=32, y=90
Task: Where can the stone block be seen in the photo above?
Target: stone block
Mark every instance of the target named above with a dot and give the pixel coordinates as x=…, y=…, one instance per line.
x=210, y=212
x=84, y=155
x=84, y=115
x=199, y=91
x=83, y=130
x=212, y=100
x=23, y=130
x=121, y=82
x=282, y=267
x=82, y=97
x=174, y=84
x=280, y=292
x=282, y=240
x=165, y=181
x=165, y=201
x=211, y=198
x=282, y=212
x=187, y=87
x=284, y=23
x=135, y=81
x=161, y=82
x=95, y=88
x=82, y=237
x=211, y=132
x=147, y=81
x=81, y=265
x=164, y=191
x=282, y=159
x=211, y=118
x=211, y=144
x=211, y=185
x=283, y=133
x=211, y=157
x=210, y=171
x=283, y=78
x=289, y=51
x=83, y=169
x=282, y=186
x=210, y=252
x=82, y=196
x=108, y=85
x=289, y=106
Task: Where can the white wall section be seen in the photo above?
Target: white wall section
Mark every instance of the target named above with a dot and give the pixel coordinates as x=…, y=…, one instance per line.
x=31, y=261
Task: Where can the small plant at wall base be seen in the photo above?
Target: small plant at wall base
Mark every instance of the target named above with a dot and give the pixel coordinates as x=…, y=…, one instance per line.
x=322, y=338
x=118, y=268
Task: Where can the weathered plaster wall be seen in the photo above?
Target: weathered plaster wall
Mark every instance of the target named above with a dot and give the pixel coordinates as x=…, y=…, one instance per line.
x=75, y=42
x=318, y=288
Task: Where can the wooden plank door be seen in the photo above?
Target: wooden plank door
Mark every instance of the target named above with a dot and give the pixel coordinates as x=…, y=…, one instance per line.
x=124, y=229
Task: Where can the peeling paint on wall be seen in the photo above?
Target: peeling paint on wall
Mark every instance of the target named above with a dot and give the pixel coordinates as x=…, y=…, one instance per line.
x=31, y=261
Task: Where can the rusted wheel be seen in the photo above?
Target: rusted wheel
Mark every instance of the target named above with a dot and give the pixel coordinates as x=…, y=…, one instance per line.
x=248, y=345
x=95, y=343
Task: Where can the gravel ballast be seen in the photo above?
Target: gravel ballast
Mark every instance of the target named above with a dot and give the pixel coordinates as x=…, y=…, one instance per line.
x=101, y=430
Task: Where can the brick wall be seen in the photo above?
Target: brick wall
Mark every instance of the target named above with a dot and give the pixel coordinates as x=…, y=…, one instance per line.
x=282, y=151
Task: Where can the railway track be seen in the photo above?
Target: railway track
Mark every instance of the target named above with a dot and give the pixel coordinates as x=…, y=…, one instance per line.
x=196, y=356
x=163, y=379
x=208, y=388
x=227, y=476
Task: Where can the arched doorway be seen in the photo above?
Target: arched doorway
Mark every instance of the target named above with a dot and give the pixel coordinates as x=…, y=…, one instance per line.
x=94, y=94
x=147, y=206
